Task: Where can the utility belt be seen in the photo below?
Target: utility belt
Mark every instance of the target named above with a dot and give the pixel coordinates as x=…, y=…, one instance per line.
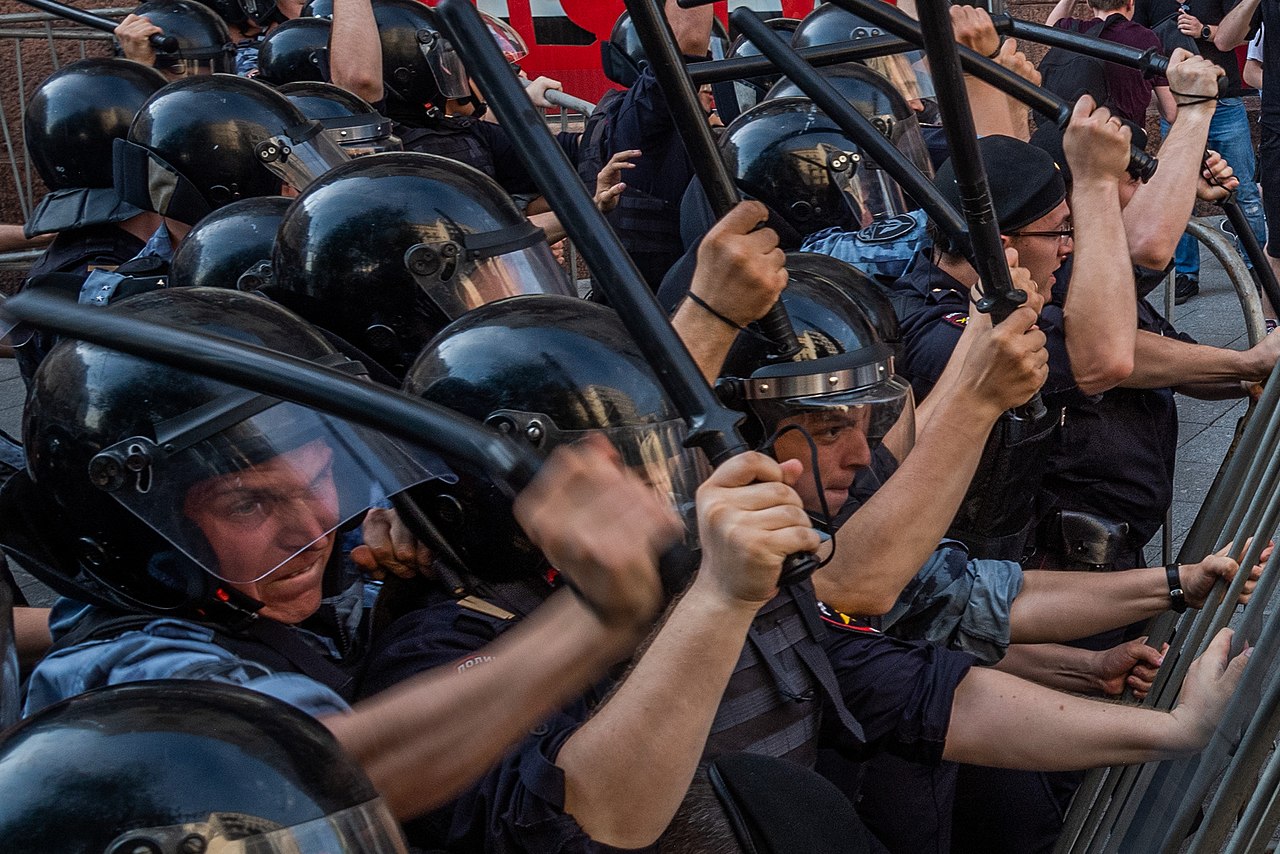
x=1074, y=539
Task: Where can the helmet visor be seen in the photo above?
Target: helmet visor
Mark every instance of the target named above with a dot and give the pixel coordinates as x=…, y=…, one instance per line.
x=898, y=70
x=477, y=269
x=301, y=154
x=445, y=63
x=247, y=486
x=365, y=829
x=867, y=190
x=510, y=42
x=361, y=135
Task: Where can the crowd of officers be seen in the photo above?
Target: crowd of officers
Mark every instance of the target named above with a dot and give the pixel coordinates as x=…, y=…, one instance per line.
x=607, y=660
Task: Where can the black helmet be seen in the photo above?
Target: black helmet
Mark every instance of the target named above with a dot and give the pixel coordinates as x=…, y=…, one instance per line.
x=204, y=43
x=829, y=24
x=419, y=65
x=878, y=101
x=296, y=50
x=227, y=243
x=388, y=249
x=869, y=297
x=204, y=142
x=623, y=56
x=843, y=364
x=76, y=114
x=181, y=766
x=179, y=491
x=347, y=119
x=546, y=370
x=748, y=92
x=789, y=155
x=318, y=9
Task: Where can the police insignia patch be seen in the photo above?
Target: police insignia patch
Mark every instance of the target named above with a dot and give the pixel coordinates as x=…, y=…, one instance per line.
x=956, y=318
x=887, y=230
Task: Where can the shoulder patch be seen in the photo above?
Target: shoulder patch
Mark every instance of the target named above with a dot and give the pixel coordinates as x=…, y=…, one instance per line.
x=956, y=318
x=888, y=230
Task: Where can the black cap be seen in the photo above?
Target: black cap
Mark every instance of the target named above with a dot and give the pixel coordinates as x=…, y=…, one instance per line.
x=1025, y=182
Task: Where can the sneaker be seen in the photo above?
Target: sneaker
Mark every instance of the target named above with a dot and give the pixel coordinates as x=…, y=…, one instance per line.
x=1184, y=288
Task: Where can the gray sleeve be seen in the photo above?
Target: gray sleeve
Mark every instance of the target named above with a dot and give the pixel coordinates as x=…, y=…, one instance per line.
x=958, y=603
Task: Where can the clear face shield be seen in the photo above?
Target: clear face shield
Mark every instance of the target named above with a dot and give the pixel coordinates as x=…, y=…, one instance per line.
x=445, y=63
x=248, y=487
x=366, y=829
x=510, y=42
x=301, y=154
x=653, y=452
x=361, y=135
x=464, y=271
x=13, y=332
x=867, y=190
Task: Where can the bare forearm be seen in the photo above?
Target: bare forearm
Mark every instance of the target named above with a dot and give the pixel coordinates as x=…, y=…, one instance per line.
x=355, y=51
x=12, y=238
x=992, y=110
x=427, y=739
x=550, y=225
x=1062, y=9
x=707, y=337
x=627, y=769
x=1234, y=28
x=1100, y=315
x=31, y=631
x=1063, y=668
x=692, y=27
x=1006, y=722
x=1062, y=606
x=884, y=544
x=1156, y=216
x=1161, y=362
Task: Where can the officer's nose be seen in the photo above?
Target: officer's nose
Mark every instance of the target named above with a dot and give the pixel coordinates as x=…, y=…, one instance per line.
x=303, y=520
x=855, y=451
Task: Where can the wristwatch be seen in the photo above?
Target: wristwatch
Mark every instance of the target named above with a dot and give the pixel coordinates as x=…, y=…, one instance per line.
x=1177, y=601
x=1206, y=33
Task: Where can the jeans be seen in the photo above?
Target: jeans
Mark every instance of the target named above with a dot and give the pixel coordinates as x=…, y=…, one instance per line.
x=1229, y=136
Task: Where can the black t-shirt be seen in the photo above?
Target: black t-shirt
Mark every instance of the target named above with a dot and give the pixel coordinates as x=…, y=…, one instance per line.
x=1270, y=117
x=1149, y=13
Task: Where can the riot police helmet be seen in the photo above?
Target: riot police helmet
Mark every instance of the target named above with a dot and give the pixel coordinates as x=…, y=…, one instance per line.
x=203, y=142
x=388, y=249
x=513, y=46
x=295, y=50
x=830, y=24
x=752, y=90
x=844, y=373
x=788, y=154
x=623, y=57
x=545, y=370
x=223, y=246
x=180, y=766
x=204, y=44
x=77, y=113
x=879, y=102
x=318, y=9
x=180, y=495
x=420, y=65
x=347, y=119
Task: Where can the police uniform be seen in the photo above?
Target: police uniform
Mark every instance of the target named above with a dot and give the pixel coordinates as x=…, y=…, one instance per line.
x=882, y=249
x=854, y=690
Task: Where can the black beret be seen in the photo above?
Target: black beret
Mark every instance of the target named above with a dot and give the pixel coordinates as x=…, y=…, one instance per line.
x=1025, y=182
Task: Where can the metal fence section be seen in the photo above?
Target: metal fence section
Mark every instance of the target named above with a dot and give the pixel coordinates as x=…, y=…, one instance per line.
x=570, y=116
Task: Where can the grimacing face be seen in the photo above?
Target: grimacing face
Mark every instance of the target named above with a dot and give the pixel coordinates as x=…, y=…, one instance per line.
x=280, y=513
x=843, y=451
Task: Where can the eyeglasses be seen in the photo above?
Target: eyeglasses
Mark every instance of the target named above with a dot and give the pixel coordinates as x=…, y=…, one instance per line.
x=1064, y=234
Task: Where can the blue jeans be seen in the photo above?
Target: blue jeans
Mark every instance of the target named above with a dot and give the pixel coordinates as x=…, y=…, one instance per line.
x=1229, y=136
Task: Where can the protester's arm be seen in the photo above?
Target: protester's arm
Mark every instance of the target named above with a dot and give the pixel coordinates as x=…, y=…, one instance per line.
x=12, y=239
x=31, y=633
x=428, y=738
x=1006, y=722
x=1061, y=9
x=355, y=50
x=1100, y=316
x=1083, y=671
x=627, y=769
x=692, y=27
x=1057, y=606
x=1156, y=216
x=992, y=114
x=608, y=190
x=883, y=545
x=1252, y=73
x=740, y=274
x=1233, y=29
x=1163, y=362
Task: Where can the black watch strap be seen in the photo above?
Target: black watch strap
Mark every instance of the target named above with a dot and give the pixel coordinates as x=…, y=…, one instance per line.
x=1206, y=33
x=1177, y=601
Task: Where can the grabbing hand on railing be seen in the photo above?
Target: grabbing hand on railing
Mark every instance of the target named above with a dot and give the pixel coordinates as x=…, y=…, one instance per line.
x=537, y=91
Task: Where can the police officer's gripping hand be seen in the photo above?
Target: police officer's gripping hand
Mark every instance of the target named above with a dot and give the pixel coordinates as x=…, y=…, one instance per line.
x=538, y=88
x=1192, y=78
x=1217, y=179
x=1210, y=681
x=974, y=30
x=741, y=269
x=389, y=546
x=1132, y=664
x=1016, y=61
x=602, y=528
x=1096, y=144
x=1006, y=364
x=749, y=520
x=609, y=184
x=134, y=34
